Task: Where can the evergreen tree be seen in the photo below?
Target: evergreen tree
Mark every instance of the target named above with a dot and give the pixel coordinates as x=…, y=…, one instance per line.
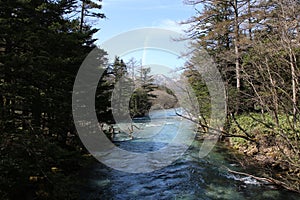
x=140, y=102
x=222, y=28
x=89, y=9
x=41, y=51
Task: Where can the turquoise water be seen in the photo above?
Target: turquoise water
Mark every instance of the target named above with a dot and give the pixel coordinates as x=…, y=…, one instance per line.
x=189, y=177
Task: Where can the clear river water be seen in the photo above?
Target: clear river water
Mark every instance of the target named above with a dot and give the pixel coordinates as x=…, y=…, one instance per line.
x=189, y=177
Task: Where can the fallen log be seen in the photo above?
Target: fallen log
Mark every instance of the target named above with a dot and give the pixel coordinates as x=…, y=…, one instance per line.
x=269, y=180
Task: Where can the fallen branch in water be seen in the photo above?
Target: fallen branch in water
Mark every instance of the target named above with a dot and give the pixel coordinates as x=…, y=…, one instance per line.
x=263, y=179
x=249, y=175
x=221, y=132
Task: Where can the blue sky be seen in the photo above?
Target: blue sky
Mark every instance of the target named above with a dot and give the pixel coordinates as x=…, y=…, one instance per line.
x=126, y=15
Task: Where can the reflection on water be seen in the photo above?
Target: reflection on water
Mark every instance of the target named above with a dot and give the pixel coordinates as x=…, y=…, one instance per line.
x=187, y=178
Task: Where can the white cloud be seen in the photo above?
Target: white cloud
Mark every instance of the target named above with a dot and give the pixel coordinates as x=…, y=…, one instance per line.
x=146, y=5
x=110, y=2
x=172, y=25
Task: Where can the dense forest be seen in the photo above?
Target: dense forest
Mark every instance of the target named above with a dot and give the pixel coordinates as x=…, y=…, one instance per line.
x=43, y=43
x=255, y=43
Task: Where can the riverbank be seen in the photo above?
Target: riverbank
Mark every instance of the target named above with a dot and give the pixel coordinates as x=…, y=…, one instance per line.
x=258, y=165
x=273, y=150
x=270, y=160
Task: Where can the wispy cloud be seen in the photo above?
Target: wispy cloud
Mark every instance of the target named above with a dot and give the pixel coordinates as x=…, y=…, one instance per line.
x=116, y=2
x=172, y=25
x=144, y=4
x=148, y=7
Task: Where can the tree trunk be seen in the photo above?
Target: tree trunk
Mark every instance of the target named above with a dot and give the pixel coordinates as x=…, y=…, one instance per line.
x=237, y=56
x=82, y=15
x=294, y=88
x=249, y=20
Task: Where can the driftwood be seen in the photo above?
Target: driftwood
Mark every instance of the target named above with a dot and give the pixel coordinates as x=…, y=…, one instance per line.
x=269, y=180
x=131, y=130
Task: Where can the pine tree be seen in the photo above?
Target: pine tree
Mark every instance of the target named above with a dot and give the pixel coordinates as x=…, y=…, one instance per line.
x=89, y=9
x=41, y=51
x=140, y=102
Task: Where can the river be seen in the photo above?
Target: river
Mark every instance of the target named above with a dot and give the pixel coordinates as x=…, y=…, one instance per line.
x=189, y=177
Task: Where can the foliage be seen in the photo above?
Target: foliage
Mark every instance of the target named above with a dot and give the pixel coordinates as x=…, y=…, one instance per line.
x=41, y=50
x=274, y=146
x=140, y=102
x=255, y=45
x=89, y=9
x=33, y=167
x=201, y=92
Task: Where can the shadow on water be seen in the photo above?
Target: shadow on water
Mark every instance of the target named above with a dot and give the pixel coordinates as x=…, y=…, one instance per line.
x=187, y=178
